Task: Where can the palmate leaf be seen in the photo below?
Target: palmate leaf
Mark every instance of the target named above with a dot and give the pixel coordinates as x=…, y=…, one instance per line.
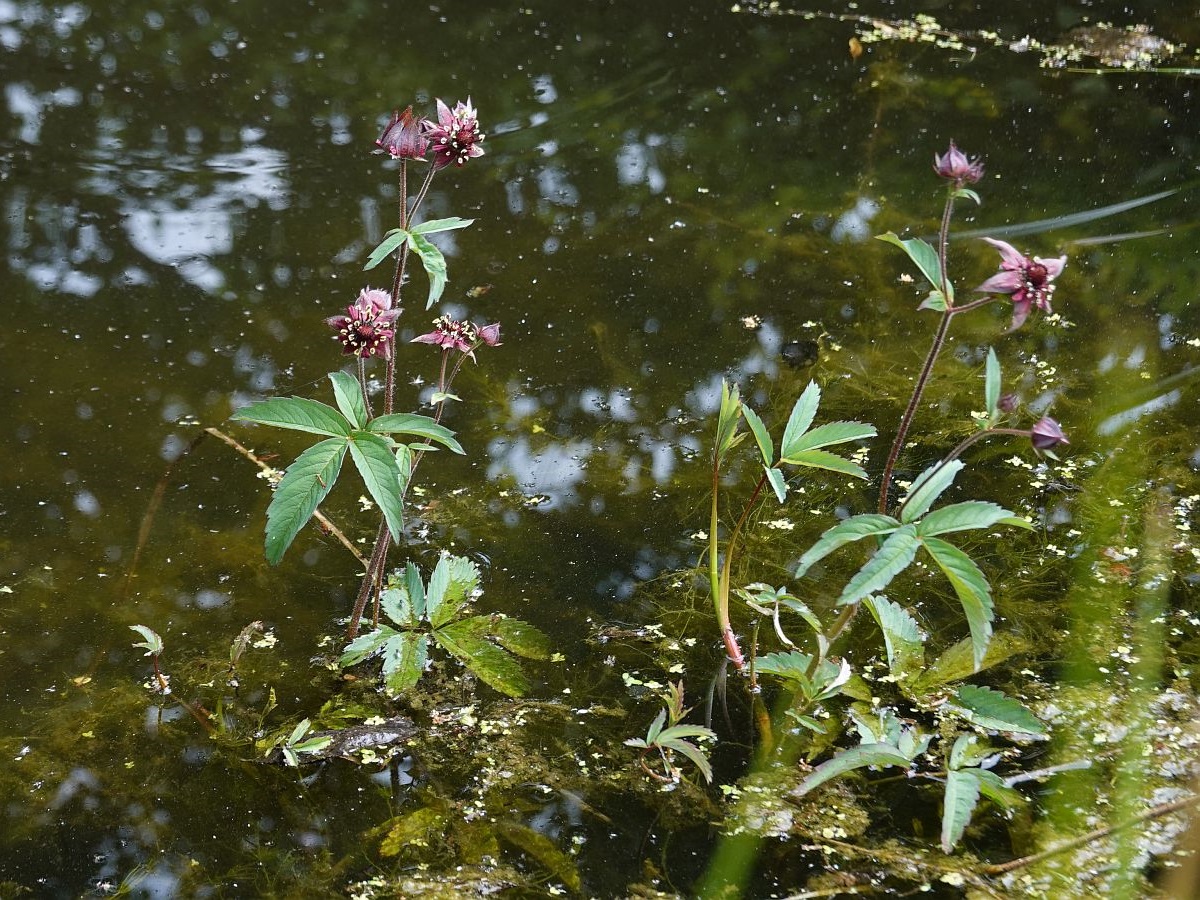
x=889, y=560
x=404, y=661
x=968, y=515
x=492, y=665
x=927, y=488
x=348, y=394
x=803, y=413
x=860, y=757
x=974, y=592
x=962, y=793
x=435, y=266
x=418, y=426
x=450, y=586
x=391, y=242
x=397, y=605
x=991, y=709
x=373, y=457
x=766, y=446
x=304, y=485
x=298, y=414
x=853, y=529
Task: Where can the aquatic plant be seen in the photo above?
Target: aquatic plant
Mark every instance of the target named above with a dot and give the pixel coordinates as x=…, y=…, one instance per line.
x=386, y=448
x=667, y=736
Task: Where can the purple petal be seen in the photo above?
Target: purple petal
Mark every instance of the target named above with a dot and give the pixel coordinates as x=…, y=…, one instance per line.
x=1001, y=283
x=1010, y=254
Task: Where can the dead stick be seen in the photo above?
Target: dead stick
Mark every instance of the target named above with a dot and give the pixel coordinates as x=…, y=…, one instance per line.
x=318, y=515
x=1153, y=813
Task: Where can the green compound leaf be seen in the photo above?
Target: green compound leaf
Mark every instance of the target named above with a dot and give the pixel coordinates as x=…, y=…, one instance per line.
x=889, y=560
x=492, y=665
x=391, y=242
x=823, y=459
x=520, y=638
x=298, y=414
x=304, y=485
x=373, y=457
x=962, y=793
x=991, y=709
x=404, y=661
x=419, y=426
x=348, y=394
x=435, y=266
x=766, y=446
x=853, y=529
x=927, y=488
x=803, y=413
x=397, y=605
x=974, y=592
x=366, y=645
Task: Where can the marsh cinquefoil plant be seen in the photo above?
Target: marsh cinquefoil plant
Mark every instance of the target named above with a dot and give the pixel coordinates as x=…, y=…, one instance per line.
x=896, y=536
x=385, y=447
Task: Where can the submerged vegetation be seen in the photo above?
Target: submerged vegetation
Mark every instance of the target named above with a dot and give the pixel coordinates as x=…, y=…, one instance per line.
x=888, y=642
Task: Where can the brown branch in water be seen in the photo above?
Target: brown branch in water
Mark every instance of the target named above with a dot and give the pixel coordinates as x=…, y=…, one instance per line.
x=318, y=515
x=1153, y=812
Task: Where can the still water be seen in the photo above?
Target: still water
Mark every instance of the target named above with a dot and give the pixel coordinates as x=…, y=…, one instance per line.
x=671, y=193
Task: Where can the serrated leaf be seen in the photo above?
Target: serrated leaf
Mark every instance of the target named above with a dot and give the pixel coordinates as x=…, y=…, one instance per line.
x=991, y=384
x=991, y=709
x=860, y=757
x=450, y=586
x=373, y=458
x=305, y=483
x=435, y=266
x=397, y=606
x=901, y=635
x=432, y=226
x=420, y=426
x=972, y=588
x=958, y=661
x=778, y=485
x=416, y=590
x=830, y=433
x=682, y=732
x=766, y=447
x=348, y=394
x=404, y=661
x=520, y=638
x=391, y=242
x=803, y=413
x=366, y=645
x=965, y=516
x=892, y=558
x=853, y=529
x=153, y=644
x=299, y=731
x=698, y=757
x=927, y=488
x=919, y=252
x=656, y=727
x=492, y=665
x=297, y=414
x=962, y=793
x=823, y=459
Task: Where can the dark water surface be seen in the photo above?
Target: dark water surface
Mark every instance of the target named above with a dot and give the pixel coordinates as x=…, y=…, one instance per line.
x=671, y=193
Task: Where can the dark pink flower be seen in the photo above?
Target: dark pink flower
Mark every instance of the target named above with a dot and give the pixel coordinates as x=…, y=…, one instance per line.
x=954, y=166
x=404, y=138
x=368, y=328
x=1047, y=434
x=1008, y=403
x=490, y=334
x=1029, y=281
x=451, y=334
x=455, y=136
